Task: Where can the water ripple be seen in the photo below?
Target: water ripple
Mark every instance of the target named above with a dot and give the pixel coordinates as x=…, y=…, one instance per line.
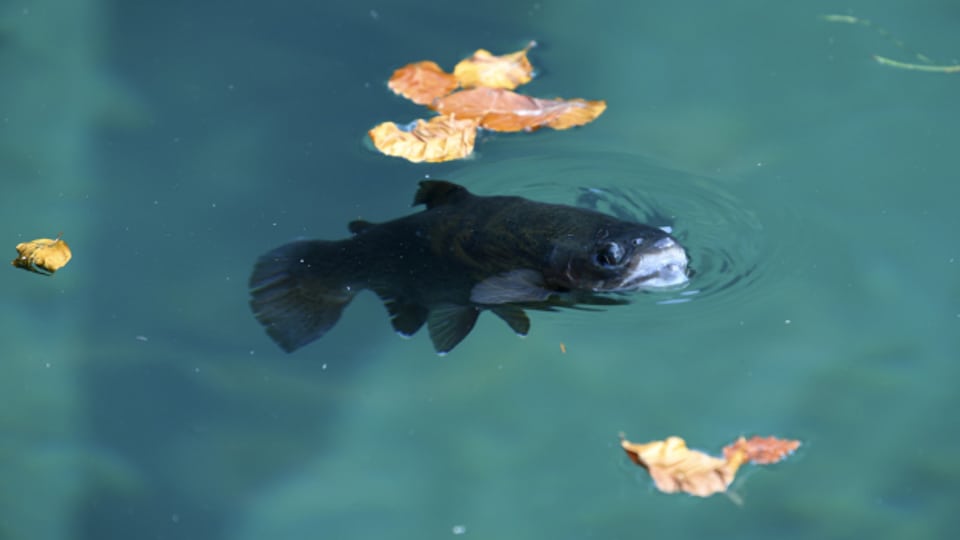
x=725, y=239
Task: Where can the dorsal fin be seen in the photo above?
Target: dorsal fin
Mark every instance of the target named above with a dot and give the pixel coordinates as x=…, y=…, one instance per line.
x=358, y=226
x=435, y=193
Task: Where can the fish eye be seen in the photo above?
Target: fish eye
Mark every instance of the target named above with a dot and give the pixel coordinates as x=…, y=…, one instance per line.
x=610, y=254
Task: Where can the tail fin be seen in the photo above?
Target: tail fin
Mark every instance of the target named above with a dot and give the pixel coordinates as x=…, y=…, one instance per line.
x=298, y=292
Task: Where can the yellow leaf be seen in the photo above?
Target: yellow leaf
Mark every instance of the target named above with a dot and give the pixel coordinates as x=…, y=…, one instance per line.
x=442, y=138
x=674, y=467
x=43, y=255
x=485, y=69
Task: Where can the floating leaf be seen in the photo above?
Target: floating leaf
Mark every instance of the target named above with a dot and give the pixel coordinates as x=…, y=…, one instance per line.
x=762, y=450
x=674, y=467
x=442, y=138
x=43, y=255
x=486, y=69
x=422, y=82
x=503, y=110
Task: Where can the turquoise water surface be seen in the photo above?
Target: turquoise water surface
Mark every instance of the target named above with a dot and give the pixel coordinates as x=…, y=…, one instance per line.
x=174, y=142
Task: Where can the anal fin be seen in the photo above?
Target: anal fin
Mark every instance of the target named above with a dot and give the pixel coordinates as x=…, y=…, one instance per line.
x=449, y=324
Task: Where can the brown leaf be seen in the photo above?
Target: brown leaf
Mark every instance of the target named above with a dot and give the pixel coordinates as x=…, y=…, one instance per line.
x=485, y=69
x=762, y=450
x=422, y=82
x=442, y=138
x=43, y=255
x=674, y=467
x=503, y=110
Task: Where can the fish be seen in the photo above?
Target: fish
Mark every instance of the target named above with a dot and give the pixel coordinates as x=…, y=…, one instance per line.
x=461, y=255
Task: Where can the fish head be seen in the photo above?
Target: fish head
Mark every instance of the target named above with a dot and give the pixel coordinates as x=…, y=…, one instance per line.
x=629, y=257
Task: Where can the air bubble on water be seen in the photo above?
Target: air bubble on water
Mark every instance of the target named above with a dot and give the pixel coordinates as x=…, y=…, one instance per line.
x=459, y=529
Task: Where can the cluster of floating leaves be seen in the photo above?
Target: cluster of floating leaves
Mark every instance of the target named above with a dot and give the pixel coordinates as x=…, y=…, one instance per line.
x=43, y=255
x=485, y=99
x=676, y=468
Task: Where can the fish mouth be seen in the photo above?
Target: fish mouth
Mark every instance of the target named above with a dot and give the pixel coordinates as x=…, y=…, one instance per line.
x=662, y=267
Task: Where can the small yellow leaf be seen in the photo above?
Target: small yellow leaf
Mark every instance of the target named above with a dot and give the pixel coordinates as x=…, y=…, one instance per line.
x=43, y=255
x=442, y=138
x=485, y=69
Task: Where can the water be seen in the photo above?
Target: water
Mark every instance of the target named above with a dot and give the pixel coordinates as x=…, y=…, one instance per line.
x=172, y=144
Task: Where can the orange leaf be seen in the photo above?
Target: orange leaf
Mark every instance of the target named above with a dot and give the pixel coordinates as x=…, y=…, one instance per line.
x=485, y=69
x=762, y=450
x=674, y=467
x=503, y=110
x=443, y=138
x=422, y=82
x=43, y=255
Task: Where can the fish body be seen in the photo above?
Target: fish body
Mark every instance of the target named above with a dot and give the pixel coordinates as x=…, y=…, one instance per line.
x=462, y=255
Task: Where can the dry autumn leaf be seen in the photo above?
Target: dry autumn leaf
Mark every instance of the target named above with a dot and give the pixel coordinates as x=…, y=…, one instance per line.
x=486, y=69
x=674, y=467
x=442, y=138
x=503, y=110
x=42, y=256
x=422, y=82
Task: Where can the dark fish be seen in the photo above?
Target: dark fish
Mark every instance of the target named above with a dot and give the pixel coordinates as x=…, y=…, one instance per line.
x=462, y=255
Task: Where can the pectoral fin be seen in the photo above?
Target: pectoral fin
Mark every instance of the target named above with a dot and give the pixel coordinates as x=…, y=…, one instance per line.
x=449, y=324
x=514, y=286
